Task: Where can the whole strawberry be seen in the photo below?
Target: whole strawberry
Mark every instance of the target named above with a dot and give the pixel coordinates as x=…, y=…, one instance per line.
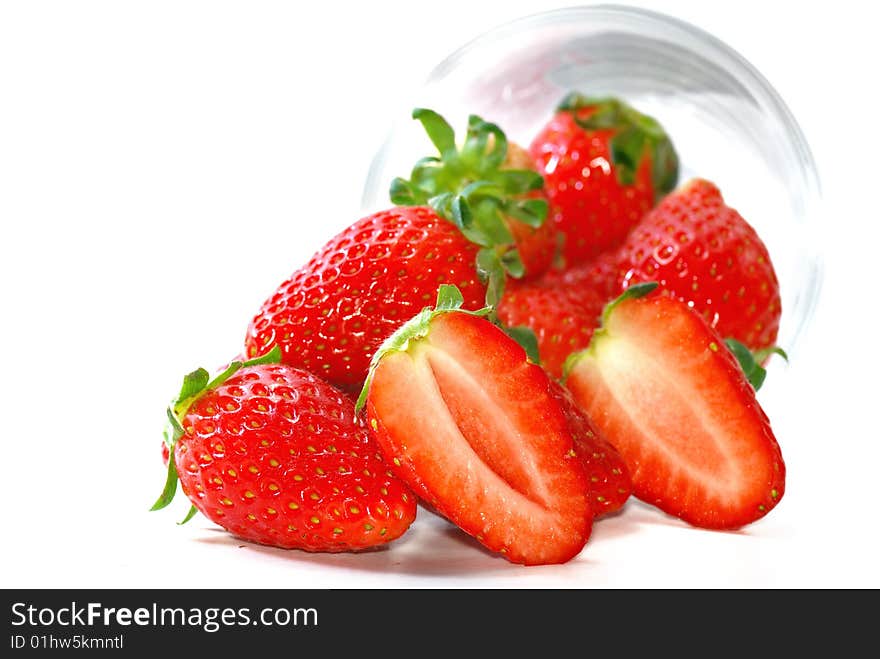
x=276, y=456
x=707, y=255
x=334, y=311
x=600, y=275
x=502, y=189
x=604, y=165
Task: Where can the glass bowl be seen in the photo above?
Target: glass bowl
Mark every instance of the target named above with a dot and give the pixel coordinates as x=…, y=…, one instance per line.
x=727, y=122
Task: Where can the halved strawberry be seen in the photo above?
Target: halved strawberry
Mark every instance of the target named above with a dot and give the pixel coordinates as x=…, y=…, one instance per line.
x=668, y=394
x=465, y=419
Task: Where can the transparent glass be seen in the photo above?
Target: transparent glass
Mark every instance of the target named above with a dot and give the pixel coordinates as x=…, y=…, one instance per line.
x=727, y=122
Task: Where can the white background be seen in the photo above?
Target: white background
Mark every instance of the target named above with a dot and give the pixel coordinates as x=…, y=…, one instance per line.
x=163, y=165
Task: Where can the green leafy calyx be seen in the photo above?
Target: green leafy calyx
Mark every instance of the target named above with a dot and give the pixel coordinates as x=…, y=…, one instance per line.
x=635, y=135
x=469, y=187
x=194, y=385
x=632, y=293
x=751, y=362
x=526, y=338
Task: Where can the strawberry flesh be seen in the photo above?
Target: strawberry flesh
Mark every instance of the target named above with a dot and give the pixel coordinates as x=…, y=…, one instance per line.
x=665, y=391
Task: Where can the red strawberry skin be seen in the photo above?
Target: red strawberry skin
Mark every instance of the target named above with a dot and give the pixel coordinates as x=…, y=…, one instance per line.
x=600, y=274
x=561, y=315
x=664, y=390
x=707, y=255
x=333, y=312
x=278, y=457
x=608, y=476
x=472, y=427
x=588, y=204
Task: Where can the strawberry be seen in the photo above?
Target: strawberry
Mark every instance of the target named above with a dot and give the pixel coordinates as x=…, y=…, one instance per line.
x=604, y=166
x=607, y=473
x=667, y=393
x=472, y=426
x=333, y=312
x=502, y=189
x=278, y=457
x=562, y=317
x=706, y=254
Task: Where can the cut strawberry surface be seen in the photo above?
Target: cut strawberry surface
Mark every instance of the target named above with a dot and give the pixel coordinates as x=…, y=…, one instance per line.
x=670, y=396
x=470, y=424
